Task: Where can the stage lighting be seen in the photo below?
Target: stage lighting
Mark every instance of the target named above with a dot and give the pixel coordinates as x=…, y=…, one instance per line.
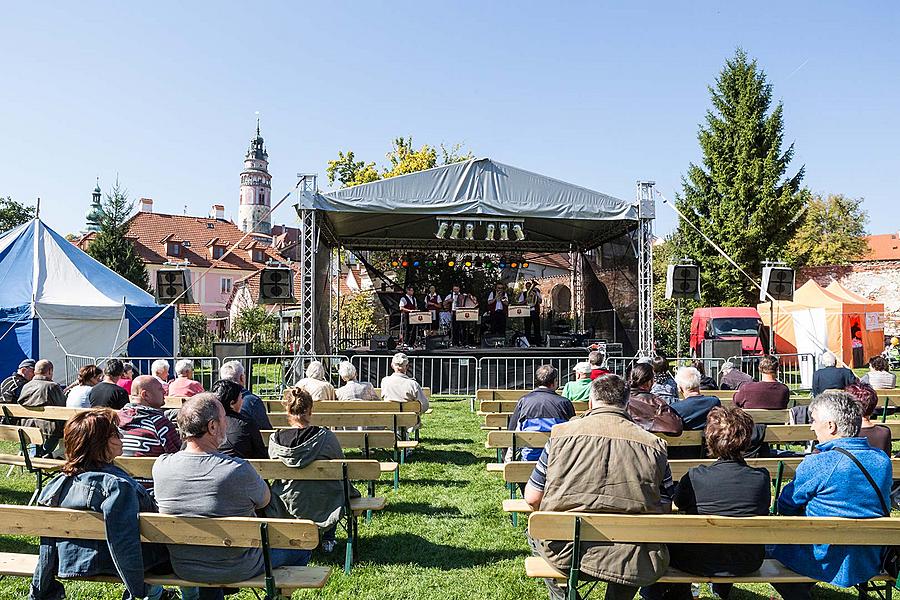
x=490, y=232
x=488, y=264
x=442, y=229
x=478, y=262
x=502, y=264
x=457, y=227
x=451, y=263
x=504, y=232
x=514, y=265
x=395, y=263
x=525, y=265
x=416, y=263
x=429, y=263
x=470, y=231
x=404, y=263
x=517, y=229
x=468, y=262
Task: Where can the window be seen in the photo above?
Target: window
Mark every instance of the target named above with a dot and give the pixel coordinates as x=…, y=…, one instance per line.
x=218, y=251
x=226, y=285
x=173, y=248
x=258, y=255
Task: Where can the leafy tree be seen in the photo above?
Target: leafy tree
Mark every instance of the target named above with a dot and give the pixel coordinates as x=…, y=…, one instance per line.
x=348, y=171
x=832, y=232
x=740, y=195
x=255, y=324
x=195, y=338
x=13, y=214
x=111, y=246
x=403, y=159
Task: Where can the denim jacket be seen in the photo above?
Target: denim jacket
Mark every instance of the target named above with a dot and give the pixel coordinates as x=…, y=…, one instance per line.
x=112, y=492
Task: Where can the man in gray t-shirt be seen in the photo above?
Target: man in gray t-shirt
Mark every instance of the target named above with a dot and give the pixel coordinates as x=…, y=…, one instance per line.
x=199, y=481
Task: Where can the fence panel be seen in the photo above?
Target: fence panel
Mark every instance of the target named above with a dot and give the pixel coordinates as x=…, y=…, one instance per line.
x=517, y=372
x=206, y=368
x=268, y=376
x=795, y=370
x=445, y=375
x=73, y=363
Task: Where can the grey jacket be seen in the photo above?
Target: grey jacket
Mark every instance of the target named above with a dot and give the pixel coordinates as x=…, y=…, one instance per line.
x=43, y=392
x=318, y=501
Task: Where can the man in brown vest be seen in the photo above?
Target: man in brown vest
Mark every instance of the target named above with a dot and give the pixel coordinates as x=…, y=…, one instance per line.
x=602, y=462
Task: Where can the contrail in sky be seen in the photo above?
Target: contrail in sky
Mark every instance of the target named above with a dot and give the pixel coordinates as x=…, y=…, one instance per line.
x=803, y=64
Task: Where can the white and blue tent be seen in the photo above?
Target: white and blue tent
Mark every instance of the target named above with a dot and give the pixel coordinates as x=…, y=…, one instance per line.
x=56, y=300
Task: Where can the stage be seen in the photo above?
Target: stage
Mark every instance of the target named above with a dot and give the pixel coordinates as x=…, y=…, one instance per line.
x=472, y=351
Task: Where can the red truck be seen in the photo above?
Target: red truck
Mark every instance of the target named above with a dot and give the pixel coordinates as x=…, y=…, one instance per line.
x=728, y=323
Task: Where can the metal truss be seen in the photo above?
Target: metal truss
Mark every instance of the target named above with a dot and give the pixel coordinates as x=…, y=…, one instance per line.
x=646, y=215
x=308, y=246
x=576, y=262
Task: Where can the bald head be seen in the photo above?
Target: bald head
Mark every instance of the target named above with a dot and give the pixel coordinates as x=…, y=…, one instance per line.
x=147, y=390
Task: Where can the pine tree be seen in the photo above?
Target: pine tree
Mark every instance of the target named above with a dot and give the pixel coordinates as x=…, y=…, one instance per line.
x=111, y=245
x=740, y=196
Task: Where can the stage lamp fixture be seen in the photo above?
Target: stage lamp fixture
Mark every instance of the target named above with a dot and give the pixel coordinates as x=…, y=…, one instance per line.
x=470, y=231
x=490, y=232
x=429, y=263
x=451, y=263
x=524, y=264
x=502, y=264
x=443, y=226
x=416, y=263
x=520, y=234
x=504, y=232
x=514, y=265
x=468, y=262
x=488, y=264
x=454, y=234
x=404, y=263
x=395, y=263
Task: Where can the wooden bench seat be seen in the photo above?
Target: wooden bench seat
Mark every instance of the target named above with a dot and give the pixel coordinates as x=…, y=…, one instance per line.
x=500, y=420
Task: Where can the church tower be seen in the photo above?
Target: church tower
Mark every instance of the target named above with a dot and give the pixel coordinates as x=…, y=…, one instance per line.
x=95, y=213
x=256, y=189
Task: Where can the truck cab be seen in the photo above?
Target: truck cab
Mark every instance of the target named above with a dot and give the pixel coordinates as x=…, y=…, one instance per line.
x=728, y=323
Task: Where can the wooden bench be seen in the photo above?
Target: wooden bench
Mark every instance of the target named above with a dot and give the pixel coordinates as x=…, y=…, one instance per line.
x=238, y=532
x=277, y=404
x=500, y=420
x=672, y=529
x=39, y=467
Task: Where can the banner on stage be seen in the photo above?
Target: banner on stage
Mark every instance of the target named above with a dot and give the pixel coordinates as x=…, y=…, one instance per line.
x=420, y=317
x=519, y=311
x=467, y=314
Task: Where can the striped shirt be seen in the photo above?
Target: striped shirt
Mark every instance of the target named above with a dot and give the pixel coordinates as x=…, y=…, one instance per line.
x=146, y=431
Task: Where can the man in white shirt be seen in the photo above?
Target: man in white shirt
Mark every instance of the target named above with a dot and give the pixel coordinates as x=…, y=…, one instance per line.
x=408, y=304
x=400, y=387
x=498, y=302
x=531, y=296
x=451, y=303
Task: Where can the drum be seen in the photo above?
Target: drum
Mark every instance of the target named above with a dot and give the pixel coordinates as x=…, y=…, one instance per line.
x=420, y=317
x=519, y=311
x=469, y=315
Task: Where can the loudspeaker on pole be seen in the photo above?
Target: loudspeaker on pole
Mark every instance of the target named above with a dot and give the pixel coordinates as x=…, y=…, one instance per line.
x=276, y=286
x=683, y=281
x=170, y=284
x=777, y=282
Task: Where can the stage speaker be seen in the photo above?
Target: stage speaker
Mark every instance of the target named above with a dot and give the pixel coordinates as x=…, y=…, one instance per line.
x=778, y=282
x=383, y=342
x=561, y=341
x=437, y=342
x=170, y=284
x=723, y=349
x=276, y=286
x=683, y=281
x=493, y=341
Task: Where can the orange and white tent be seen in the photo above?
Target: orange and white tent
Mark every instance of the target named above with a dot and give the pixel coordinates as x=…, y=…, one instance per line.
x=820, y=319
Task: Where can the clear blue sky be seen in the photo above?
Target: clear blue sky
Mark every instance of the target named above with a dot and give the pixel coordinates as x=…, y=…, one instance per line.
x=598, y=94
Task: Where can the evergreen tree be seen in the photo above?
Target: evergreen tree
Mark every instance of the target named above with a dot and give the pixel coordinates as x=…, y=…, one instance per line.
x=111, y=246
x=740, y=196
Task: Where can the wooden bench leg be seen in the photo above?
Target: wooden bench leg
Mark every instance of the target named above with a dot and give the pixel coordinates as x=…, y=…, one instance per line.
x=575, y=569
x=512, y=496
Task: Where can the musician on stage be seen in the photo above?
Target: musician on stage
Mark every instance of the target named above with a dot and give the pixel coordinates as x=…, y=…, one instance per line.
x=434, y=304
x=498, y=303
x=531, y=296
x=466, y=300
x=408, y=304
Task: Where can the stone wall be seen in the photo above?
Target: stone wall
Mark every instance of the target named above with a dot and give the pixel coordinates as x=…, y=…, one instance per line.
x=878, y=280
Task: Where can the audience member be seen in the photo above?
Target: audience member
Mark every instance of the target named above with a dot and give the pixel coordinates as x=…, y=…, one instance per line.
x=879, y=436
x=892, y=351
x=399, y=386
x=596, y=358
x=88, y=377
x=43, y=391
x=879, y=375
x=733, y=378
x=706, y=382
x=90, y=481
x=694, y=406
x=768, y=392
x=320, y=501
x=184, y=385
x=128, y=375
x=200, y=481
x=830, y=483
x=315, y=383
x=540, y=410
x=603, y=463
x=107, y=394
x=353, y=389
x=242, y=436
x=647, y=410
x=829, y=376
x=579, y=389
x=12, y=386
x=160, y=370
x=727, y=488
x=146, y=431
x=664, y=385
x=252, y=405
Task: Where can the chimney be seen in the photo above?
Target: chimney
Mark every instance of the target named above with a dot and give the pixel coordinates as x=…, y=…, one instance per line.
x=217, y=212
x=147, y=205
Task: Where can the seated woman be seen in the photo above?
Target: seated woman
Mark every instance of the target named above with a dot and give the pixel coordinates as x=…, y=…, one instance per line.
x=315, y=384
x=242, y=436
x=647, y=409
x=664, y=384
x=89, y=481
x=127, y=377
x=184, y=384
x=728, y=488
x=353, y=389
x=320, y=501
x=88, y=377
x=879, y=436
x=879, y=375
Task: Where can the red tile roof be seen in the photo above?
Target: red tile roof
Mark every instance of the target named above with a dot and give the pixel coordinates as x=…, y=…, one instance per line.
x=190, y=309
x=885, y=246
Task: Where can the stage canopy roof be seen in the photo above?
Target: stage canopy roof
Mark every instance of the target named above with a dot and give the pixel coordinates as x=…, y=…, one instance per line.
x=403, y=212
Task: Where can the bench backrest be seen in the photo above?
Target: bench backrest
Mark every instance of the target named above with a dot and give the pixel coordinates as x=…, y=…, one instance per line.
x=48, y=413
x=352, y=440
x=372, y=406
x=319, y=470
x=10, y=433
x=354, y=419
x=240, y=532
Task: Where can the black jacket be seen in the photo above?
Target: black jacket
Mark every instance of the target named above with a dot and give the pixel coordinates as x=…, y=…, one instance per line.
x=242, y=437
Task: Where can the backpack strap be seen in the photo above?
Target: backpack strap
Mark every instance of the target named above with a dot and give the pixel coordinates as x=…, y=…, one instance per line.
x=848, y=454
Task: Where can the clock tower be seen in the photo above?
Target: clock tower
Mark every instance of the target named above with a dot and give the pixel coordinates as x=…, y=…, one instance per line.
x=256, y=189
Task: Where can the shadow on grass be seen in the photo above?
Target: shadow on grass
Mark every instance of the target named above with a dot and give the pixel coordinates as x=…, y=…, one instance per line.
x=22, y=497
x=447, y=441
x=424, y=509
x=447, y=457
x=408, y=548
x=429, y=481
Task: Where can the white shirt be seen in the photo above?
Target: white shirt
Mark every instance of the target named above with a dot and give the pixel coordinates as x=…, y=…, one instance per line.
x=400, y=387
x=454, y=297
x=407, y=302
x=78, y=397
x=498, y=305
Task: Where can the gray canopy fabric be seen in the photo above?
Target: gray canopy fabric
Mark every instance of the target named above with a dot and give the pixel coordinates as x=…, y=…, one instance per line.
x=403, y=211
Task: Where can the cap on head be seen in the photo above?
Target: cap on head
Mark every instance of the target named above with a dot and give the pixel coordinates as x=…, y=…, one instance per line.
x=583, y=368
x=28, y=363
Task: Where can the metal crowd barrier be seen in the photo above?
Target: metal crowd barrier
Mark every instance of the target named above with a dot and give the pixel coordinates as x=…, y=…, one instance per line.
x=206, y=368
x=268, y=376
x=517, y=372
x=445, y=375
x=73, y=364
x=795, y=370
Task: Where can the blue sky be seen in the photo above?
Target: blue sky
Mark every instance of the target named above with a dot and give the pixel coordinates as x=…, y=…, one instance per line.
x=599, y=94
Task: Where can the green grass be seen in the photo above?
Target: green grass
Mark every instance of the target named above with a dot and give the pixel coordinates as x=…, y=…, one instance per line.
x=442, y=536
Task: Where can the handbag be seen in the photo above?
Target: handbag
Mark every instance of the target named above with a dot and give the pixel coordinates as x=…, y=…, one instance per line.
x=890, y=557
x=652, y=413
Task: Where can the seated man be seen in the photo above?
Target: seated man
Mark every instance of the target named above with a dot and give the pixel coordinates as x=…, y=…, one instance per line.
x=580, y=389
x=400, y=387
x=252, y=405
x=832, y=484
x=733, y=378
x=830, y=376
x=184, y=385
x=603, y=463
x=596, y=359
x=146, y=431
x=541, y=409
x=768, y=392
x=352, y=388
x=200, y=481
x=694, y=406
x=43, y=391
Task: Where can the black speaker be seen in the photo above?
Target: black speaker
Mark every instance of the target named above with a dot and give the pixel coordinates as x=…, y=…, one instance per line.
x=493, y=341
x=276, y=286
x=170, y=284
x=778, y=282
x=561, y=341
x=437, y=342
x=683, y=281
x=383, y=342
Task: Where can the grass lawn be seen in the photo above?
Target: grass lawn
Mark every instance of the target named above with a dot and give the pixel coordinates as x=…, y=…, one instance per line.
x=442, y=536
